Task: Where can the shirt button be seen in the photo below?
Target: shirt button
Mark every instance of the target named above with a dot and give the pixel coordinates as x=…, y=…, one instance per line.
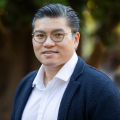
x=40, y=112
x=45, y=92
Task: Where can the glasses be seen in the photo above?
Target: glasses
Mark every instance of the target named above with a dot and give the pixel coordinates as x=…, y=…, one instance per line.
x=56, y=36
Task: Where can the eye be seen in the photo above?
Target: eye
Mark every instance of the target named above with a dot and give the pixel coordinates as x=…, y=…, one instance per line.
x=58, y=34
x=40, y=35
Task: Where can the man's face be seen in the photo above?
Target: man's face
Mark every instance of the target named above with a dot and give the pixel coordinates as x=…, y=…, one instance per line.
x=50, y=53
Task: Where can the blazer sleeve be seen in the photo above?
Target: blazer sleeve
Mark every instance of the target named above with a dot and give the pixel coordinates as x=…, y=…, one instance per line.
x=108, y=104
x=22, y=94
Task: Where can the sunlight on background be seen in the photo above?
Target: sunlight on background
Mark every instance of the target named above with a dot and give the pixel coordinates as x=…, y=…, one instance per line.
x=88, y=40
x=118, y=29
x=90, y=27
x=91, y=4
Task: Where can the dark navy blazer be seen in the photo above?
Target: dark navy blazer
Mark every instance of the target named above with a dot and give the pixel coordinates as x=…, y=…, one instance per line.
x=90, y=95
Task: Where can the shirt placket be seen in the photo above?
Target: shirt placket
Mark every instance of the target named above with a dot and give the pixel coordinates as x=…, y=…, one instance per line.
x=43, y=102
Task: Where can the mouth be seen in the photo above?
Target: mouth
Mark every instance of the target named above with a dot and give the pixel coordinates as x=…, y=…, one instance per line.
x=49, y=53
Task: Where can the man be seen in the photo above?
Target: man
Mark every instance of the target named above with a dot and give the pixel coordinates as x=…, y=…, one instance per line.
x=65, y=87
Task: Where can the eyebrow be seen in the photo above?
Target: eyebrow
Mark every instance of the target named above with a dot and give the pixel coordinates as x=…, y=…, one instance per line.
x=51, y=31
x=59, y=29
x=38, y=31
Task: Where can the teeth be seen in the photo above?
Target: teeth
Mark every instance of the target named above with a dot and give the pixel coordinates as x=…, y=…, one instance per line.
x=49, y=52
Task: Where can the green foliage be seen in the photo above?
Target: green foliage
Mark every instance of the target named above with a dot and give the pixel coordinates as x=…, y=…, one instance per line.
x=3, y=3
x=19, y=13
x=38, y=3
x=64, y=2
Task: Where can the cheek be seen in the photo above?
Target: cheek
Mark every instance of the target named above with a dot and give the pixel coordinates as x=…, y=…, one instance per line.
x=67, y=48
x=36, y=46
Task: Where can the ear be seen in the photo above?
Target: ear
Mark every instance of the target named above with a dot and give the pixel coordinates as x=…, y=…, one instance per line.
x=76, y=40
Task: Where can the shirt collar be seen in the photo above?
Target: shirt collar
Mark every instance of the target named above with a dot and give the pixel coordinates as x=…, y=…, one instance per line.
x=64, y=73
x=38, y=81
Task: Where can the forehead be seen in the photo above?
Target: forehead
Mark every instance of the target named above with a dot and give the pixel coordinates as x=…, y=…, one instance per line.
x=48, y=24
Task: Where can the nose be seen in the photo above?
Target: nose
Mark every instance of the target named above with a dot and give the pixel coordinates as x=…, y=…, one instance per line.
x=49, y=42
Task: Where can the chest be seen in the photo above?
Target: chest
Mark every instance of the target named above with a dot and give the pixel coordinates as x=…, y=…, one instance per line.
x=43, y=104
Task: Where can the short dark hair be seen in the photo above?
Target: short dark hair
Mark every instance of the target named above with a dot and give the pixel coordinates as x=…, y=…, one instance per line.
x=56, y=10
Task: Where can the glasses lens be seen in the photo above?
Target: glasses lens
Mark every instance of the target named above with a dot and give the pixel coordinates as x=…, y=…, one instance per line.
x=57, y=35
x=39, y=36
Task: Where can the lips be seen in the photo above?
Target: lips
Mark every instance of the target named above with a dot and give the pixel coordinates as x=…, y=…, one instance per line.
x=49, y=52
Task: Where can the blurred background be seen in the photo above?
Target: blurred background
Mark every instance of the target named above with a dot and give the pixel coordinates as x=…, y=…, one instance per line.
x=99, y=43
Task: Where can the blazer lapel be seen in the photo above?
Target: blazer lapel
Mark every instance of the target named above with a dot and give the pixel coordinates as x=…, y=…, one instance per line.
x=70, y=90
x=25, y=95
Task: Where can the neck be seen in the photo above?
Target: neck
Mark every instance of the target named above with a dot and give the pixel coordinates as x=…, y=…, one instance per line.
x=50, y=73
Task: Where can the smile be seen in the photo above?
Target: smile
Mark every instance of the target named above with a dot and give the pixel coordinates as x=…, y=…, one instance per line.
x=49, y=52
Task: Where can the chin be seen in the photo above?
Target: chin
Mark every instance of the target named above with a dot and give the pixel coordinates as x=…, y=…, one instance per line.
x=48, y=63
x=53, y=65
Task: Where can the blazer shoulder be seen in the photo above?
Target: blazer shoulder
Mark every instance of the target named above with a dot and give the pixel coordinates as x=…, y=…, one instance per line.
x=96, y=75
x=29, y=77
x=22, y=93
x=25, y=82
x=90, y=77
x=89, y=73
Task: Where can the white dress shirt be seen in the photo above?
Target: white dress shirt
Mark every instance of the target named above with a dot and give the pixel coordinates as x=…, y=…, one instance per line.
x=44, y=102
